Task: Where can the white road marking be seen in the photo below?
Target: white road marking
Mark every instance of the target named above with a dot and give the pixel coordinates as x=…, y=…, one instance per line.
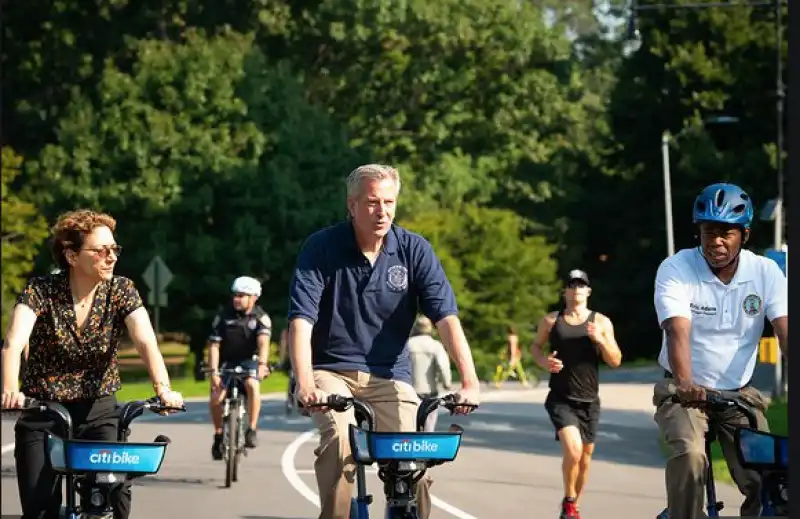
x=292, y=475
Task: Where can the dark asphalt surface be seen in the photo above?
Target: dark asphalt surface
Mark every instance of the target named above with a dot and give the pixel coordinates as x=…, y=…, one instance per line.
x=509, y=464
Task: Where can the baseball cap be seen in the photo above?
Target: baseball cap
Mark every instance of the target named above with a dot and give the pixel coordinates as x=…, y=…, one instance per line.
x=578, y=275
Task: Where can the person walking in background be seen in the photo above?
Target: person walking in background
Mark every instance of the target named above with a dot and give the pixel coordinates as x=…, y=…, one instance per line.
x=578, y=339
x=430, y=365
x=512, y=368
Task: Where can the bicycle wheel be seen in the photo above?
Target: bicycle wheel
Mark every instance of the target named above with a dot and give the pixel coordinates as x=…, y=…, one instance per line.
x=239, y=442
x=231, y=445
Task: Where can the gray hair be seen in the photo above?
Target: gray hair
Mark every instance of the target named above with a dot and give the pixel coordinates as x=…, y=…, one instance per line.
x=370, y=172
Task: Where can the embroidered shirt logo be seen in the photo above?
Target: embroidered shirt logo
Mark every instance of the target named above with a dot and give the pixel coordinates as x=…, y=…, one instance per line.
x=397, y=278
x=752, y=305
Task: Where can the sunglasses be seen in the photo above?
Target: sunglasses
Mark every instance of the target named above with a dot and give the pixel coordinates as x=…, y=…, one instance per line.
x=105, y=251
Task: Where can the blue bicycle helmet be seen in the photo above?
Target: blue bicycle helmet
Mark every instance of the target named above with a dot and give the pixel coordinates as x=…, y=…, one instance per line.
x=723, y=203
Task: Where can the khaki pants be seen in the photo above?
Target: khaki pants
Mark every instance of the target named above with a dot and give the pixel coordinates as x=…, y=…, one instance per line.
x=683, y=430
x=395, y=405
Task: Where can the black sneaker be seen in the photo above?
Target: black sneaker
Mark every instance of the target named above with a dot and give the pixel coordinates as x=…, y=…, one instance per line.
x=250, y=440
x=216, y=447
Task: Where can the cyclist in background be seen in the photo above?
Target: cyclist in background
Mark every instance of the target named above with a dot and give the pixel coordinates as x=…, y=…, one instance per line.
x=711, y=302
x=430, y=365
x=240, y=337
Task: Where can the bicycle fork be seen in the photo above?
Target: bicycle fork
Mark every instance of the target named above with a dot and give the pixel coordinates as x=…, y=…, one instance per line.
x=713, y=506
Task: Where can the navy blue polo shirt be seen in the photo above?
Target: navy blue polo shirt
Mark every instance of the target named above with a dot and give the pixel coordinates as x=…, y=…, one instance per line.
x=363, y=314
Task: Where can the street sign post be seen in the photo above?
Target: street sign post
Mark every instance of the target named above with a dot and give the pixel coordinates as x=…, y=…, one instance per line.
x=157, y=277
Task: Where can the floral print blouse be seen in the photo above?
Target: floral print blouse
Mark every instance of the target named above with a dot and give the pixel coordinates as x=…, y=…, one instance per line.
x=67, y=364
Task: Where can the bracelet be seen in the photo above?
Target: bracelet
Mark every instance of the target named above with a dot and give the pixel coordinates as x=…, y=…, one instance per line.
x=164, y=385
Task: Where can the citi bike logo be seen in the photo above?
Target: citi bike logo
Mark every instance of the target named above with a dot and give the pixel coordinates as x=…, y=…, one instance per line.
x=414, y=446
x=106, y=456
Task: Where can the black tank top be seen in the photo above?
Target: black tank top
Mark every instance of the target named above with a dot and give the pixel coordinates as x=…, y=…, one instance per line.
x=578, y=379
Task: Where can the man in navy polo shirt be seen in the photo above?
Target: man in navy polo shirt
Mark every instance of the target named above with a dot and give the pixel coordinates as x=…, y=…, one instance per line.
x=355, y=294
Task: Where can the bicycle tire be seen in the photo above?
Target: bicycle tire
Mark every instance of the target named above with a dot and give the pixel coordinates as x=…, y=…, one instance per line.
x=239, y=443
x=232, y=443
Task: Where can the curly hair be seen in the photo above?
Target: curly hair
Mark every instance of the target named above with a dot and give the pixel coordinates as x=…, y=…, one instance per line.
x=71, y=229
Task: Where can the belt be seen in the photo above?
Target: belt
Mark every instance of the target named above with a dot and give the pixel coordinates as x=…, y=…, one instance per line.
x=668, y=374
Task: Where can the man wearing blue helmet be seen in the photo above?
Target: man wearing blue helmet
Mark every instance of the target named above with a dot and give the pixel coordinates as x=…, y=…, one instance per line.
x=711, y=302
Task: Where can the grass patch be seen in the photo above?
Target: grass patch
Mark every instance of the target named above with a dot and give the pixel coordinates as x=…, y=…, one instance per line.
x=189, y=387
x=778, y=418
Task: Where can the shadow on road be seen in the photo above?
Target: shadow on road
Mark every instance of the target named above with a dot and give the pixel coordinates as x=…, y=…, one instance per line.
x=166, y=480
x=525, y=428
x=271, y=418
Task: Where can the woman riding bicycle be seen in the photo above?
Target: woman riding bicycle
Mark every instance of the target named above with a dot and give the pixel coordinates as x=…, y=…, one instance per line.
x=72, y=321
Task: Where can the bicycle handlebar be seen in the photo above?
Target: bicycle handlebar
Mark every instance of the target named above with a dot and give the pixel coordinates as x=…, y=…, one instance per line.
x=341, y=403
x=128, y=412
x=237, y=371
x=720, y=400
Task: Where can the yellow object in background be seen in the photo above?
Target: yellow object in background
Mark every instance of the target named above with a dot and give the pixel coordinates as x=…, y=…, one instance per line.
x=768, y=350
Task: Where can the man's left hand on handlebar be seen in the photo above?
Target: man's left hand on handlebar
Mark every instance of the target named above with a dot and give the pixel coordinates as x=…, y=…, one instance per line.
x=469, y=396
x=172, y=399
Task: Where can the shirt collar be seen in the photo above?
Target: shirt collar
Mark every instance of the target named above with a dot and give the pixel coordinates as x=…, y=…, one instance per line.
x=390, y=243
x=743, y=274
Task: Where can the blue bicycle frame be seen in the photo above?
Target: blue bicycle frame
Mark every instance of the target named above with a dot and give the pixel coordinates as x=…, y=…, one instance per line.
x=763, y=452
x=767, y=454
x=92, y=469
x=402, y=457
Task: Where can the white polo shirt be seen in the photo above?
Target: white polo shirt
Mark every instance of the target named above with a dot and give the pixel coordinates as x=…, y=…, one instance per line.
x=727, y=320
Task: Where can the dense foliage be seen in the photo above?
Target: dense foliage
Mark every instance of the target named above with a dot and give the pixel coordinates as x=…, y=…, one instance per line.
x=220, y=137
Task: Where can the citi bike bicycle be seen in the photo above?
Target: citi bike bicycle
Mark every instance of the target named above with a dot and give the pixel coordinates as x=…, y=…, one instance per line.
x=763, y=452
x=94, y=469
x=402, y=457
x=234, y=418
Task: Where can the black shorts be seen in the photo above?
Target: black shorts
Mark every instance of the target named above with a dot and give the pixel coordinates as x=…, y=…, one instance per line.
x=583, y=415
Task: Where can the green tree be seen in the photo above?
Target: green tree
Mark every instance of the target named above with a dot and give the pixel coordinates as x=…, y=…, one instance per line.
x=694, y=64
x=210, y=157
x=500, y=272
x=23, y=230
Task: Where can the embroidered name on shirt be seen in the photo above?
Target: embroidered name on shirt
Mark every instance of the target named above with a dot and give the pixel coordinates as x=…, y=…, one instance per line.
x=702, y=309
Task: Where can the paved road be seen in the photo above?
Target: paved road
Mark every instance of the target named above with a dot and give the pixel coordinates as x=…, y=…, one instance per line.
x=763, y=376
x=509, y=457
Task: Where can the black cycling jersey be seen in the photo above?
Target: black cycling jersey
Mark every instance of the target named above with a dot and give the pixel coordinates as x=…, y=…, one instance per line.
x=237, y=333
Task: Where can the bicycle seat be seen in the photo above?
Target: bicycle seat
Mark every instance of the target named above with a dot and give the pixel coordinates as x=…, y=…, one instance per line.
x=385, y=447
x=84, y=456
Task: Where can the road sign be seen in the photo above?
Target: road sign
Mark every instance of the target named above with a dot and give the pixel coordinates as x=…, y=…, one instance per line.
x=162, y=299
x=157, y=275
x=779, y=257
